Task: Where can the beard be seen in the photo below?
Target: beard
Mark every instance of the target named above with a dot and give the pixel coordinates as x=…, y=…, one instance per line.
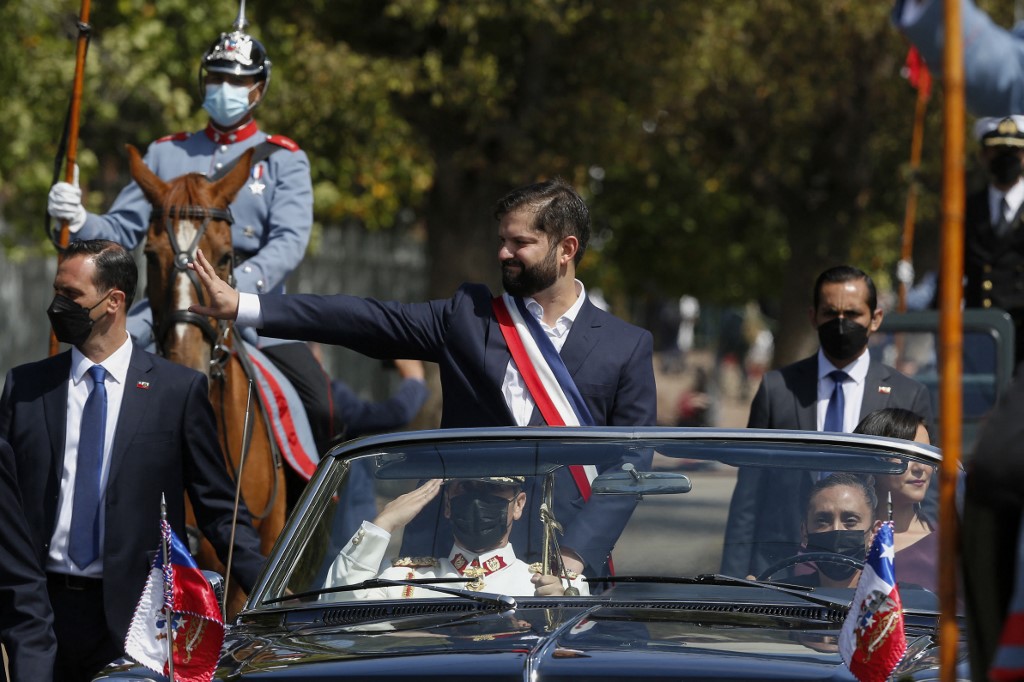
x=530, y=279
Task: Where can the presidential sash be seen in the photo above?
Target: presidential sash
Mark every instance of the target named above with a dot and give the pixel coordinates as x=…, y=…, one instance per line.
x=545, y=375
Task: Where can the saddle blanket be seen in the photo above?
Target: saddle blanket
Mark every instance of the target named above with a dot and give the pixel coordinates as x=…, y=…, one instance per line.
x=288, y=421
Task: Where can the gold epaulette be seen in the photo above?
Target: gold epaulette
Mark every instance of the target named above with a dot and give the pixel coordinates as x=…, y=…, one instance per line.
x=414, y=562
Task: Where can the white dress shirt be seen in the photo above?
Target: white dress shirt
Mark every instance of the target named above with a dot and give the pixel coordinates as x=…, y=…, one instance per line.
x=1014, y=198
x=853, y=389
x=79, y=387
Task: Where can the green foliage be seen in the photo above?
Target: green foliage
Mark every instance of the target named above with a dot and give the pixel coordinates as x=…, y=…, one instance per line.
x=728, y=149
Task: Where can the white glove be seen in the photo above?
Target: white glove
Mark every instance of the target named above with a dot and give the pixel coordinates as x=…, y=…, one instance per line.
x=65, y=203
x=905, y=273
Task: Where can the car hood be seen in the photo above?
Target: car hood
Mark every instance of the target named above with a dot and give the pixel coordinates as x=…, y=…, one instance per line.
x=566, y=643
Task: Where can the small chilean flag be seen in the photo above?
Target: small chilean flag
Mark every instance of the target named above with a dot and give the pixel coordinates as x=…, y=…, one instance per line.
x=179, y=591
x=872, y=640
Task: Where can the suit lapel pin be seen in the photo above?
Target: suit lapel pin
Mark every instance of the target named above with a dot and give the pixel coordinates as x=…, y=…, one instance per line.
x=885, y=390
x=142, y=384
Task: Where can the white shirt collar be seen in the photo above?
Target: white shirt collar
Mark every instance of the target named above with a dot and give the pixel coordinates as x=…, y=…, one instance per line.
x=116, y=363
x=856, y=370
x=569, y=316
x=1014, y=198
x=506, y=553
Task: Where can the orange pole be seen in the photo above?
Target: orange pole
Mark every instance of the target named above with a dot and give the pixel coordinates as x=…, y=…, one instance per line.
x=910, y=214
x=72, y=152
x=951, y=333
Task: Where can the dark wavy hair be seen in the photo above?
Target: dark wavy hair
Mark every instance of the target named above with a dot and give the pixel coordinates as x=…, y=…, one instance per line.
x=558, y=211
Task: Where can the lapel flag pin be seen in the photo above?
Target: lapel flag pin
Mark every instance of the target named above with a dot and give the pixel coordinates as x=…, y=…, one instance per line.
x=885, y=389
x=142, y=384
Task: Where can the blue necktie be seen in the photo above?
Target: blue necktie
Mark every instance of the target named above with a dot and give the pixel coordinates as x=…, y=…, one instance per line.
x=836, y=402
x=84, y=538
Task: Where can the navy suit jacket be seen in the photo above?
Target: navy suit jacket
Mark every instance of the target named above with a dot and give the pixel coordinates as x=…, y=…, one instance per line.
x=26, y=620
x=610, y=361
x=165, y=442
x=787, y=399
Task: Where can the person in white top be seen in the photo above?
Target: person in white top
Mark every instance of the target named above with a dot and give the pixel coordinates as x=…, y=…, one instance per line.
x=482, y=511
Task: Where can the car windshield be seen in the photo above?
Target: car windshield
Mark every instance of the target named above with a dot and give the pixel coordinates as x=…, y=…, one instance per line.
x=607, y=514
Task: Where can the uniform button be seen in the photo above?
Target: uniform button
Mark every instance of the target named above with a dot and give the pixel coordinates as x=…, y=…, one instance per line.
x=247, y=268
x=259, y=284
x=248, y=231
x=987, y=268
x=987, y=285
x=219, y=166
x=987, y=303
x=223, y=147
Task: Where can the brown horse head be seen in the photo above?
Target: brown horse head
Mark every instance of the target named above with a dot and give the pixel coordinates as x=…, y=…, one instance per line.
x=189, y=212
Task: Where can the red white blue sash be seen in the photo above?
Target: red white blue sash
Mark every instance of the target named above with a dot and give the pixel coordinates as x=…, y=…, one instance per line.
x=545, y=375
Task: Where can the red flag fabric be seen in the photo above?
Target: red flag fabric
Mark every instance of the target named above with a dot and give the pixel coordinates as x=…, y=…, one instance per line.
x=872, y=641
x=179, y=591
x=916, y=72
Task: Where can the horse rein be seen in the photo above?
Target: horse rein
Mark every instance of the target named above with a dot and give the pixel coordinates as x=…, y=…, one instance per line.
x=220, y=353
x=182, y=258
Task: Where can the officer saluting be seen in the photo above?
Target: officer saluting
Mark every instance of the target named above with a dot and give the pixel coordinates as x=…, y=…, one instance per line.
x=481, y=511
x=273, y=212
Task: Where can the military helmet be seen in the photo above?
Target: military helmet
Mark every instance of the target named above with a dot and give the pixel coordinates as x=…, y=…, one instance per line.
x=237, y=53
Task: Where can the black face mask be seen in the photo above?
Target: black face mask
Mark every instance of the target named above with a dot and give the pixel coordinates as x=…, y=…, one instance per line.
x=70, y=321
x=1005, y=168
x=480, y=519
x=842, y=339
x=846, y=542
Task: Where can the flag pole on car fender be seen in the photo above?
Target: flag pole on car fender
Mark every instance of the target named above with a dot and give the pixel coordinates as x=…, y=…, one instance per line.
x=951, y=331
x=165, y=540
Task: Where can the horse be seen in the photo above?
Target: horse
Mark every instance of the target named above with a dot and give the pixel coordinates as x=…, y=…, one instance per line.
x=190, y=213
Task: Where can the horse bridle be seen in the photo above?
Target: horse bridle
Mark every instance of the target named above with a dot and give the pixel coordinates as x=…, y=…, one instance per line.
x=216, y=338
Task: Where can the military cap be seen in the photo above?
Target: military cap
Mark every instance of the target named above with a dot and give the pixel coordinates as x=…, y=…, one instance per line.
x=1000, y=132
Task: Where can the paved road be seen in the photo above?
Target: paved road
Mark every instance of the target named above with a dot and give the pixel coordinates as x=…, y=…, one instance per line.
x=678, y=534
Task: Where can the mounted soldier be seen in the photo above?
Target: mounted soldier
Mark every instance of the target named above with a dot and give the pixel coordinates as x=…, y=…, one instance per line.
x=272, y=214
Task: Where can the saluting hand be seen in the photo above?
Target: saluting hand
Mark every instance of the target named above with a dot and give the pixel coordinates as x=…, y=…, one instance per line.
x=223, y=298
x=401, y=510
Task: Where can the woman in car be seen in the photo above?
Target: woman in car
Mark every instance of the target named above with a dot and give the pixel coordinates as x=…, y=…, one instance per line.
x=914, y=536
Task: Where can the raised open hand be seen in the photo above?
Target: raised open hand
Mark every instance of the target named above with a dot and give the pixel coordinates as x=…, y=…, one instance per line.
x=223, y=298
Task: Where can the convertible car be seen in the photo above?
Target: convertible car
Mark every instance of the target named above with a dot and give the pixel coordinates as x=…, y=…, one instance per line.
x=588, y=554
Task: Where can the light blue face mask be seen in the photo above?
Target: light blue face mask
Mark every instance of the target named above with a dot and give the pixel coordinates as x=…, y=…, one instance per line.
x=227, y=103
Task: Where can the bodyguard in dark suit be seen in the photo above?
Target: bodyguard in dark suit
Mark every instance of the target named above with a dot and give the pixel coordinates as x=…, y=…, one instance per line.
x=26, y=621
x=993, y=238
x=830, y=391
x=543, y=232
x=99, y=433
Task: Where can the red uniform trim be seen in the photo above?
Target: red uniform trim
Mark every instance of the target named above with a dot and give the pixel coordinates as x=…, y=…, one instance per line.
x=534, y=386
x=285, y=142
x=231, y=136
x=176, y=137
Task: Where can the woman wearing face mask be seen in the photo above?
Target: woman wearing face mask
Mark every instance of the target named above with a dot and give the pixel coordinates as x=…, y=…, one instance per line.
x=840, y=515
x=481, y=511
x=914, y=536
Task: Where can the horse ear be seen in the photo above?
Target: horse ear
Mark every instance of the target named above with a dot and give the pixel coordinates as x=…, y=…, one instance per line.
x=227, y=187
x=153, y=187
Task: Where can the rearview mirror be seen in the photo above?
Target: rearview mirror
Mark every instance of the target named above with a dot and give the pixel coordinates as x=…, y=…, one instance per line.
x=630, y=481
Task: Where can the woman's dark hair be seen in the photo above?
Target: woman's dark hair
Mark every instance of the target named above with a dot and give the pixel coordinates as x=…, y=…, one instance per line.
x=892, y=422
